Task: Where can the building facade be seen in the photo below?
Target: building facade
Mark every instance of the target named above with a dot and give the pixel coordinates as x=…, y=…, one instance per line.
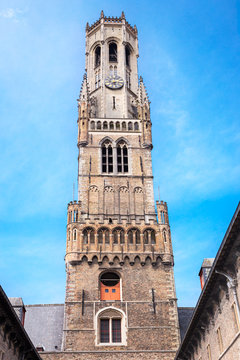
x=120, y=292
x=15, y=343
x=214, y=330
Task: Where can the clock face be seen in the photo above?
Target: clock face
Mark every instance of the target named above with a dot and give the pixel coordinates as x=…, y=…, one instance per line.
x=114, y=82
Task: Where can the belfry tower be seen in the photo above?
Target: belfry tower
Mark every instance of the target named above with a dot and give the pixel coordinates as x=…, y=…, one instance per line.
x=120, y=292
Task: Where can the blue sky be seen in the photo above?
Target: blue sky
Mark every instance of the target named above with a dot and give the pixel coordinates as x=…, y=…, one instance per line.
x=189, y=60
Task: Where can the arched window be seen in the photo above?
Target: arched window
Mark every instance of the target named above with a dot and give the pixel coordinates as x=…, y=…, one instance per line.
x=109, y=286
x=99, y=125
x=111, y=329
x=74, y=234
x=124, y=126
x=92, y=125
x=75, y=215
x=136, y=126
x=115, y=70
x=118, y=236
x=105, y=125
x=111, y=125
x=130, y=126
x=111, y=70
x=107, y=157
x=103, y=236
x=149, y=236
x=117, y=125
x=122, y=157
x=88, y=236
x=127, y=55
x=113, y=52
x=164, y=236
x=134, y=236
x=97, y=56
x=162, y=217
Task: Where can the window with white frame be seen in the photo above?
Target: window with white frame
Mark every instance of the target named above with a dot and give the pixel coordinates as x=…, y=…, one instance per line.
x=111, y=327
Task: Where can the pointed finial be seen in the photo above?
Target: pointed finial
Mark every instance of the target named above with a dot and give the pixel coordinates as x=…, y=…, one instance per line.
x=141, y=79
x=85, y=76
x=123, y=15
x=102, y=14
x=135, y=29
x=87, y=26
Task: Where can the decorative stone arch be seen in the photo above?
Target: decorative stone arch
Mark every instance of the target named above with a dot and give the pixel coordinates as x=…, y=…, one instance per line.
x=133, y=236
x=110, y=313
x=93, y=200
x=149, y=236
x=103, y=235
x=122, y=138
x=123, y=194
x=108, y=198
x=138, y=200
x=118, y=235
x=88, y=235
x=105, y=139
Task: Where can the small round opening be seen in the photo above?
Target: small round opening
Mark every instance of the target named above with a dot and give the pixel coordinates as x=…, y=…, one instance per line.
x=109, y=279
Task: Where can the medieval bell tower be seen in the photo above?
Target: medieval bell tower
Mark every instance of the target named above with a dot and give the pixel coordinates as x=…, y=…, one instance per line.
x=120, y=293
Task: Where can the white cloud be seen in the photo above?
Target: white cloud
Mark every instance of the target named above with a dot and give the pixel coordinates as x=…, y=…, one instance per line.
x=11, y=13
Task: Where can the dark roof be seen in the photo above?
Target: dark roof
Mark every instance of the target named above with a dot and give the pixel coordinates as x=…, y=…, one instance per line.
x=7, y=311
x=184, y=317
x=44, y=324
x=224, y=257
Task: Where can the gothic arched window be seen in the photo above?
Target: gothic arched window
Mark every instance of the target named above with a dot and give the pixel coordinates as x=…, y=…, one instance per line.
x=117, y=125
x=88, y=236
x=107, y=157
x=97, y=56
x=99, y=125
x=111, y=125
x=134, y=236
x=130, y=126
x=103, y=236
x=111, y=329
x=127, y=55
x=105, y=125
x=92, y=125
x=122, y=157
x=124, y=126
x=118, y=236
x=74, y=234
x=149, y=236
x=136, y=126
x=113, y=52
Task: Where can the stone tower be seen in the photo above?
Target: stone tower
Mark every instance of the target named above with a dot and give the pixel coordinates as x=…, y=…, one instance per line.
x=120, y=293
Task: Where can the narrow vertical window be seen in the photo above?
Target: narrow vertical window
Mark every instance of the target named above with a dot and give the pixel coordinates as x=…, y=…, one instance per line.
x=122, y=157
x=97, y=56
x=127, y=56
x=162, y=217
x=107, y=157
x=130, y=126
x=114, y=103
x=116, y=330
x=136, y=127
x=113, y=52
x=104, y=330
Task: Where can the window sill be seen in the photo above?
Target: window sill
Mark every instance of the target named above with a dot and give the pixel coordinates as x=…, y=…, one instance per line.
x=112, y=344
